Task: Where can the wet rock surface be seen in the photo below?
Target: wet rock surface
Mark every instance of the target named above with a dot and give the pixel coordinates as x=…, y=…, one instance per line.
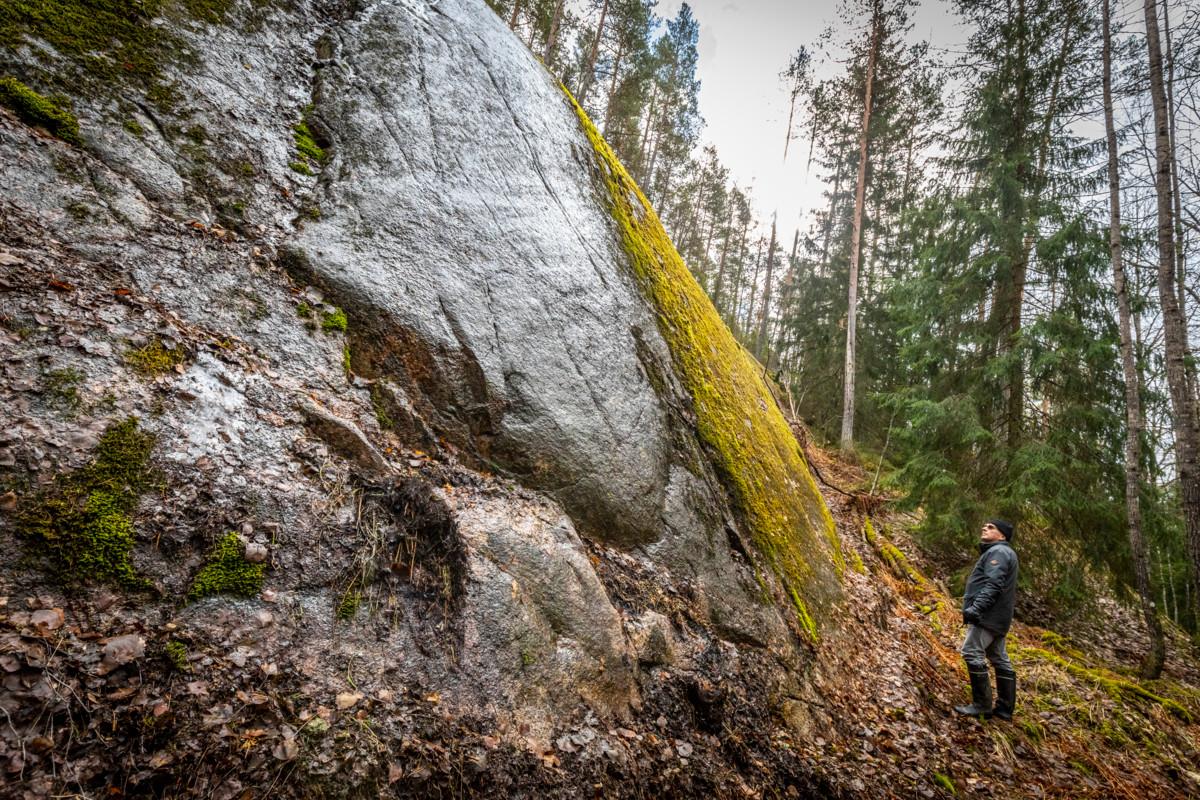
x=411, y=379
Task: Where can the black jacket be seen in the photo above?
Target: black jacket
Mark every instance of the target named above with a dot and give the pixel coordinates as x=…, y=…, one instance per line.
x=992, y=587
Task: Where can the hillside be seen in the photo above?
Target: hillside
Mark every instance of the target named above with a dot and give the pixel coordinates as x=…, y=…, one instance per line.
x=362, y=434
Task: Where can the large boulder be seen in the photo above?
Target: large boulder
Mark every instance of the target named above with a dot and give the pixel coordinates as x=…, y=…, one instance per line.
x=332, y=304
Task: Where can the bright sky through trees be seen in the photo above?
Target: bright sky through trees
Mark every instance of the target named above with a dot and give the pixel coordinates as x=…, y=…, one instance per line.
x=744, y=45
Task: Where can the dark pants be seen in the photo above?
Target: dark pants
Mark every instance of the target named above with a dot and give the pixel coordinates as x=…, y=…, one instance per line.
x=982, y=646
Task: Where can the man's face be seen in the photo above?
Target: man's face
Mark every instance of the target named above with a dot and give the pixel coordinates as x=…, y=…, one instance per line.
x=990, y=533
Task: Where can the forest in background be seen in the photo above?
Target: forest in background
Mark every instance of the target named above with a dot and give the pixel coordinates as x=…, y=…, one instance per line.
x=1004, y=353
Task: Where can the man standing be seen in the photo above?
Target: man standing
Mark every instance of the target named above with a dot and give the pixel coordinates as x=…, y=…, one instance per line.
x=987, y=613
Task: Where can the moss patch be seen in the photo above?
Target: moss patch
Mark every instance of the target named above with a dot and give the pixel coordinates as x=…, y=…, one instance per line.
x=753, y=448
x=154, y=359
x=176, y=652
x=82, y=529
x=1114, y=686
x=60, y=389
x=348, y=603
x=334, y=321
x=41, y=112
x=228, y=571
x=111, y=41
x=309, y=155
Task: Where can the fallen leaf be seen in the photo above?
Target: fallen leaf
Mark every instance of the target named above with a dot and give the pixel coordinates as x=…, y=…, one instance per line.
x=347, y=699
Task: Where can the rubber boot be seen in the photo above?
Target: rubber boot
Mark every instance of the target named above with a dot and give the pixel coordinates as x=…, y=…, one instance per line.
x=981, y=695
x=1006, y=695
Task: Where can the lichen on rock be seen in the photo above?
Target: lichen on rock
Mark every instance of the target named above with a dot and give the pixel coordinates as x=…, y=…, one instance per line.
x=755, y=452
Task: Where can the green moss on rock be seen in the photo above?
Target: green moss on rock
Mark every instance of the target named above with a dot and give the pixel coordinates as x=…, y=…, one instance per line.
x=335, y=321
x=228, y=571
x=309, y=155
x=82, y=529
x=154, y=359
x=41, y=112
x=754, y=450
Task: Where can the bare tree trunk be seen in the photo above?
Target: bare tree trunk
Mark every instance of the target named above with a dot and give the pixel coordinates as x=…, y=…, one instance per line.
x=589, y=72
x=749, y=319
x=640, y=173
x=1152, y=664
x=1180, y=255
x=552, y=38
x=717, y=300
x=760, y=340
x=512, y=21
x=612, y=87
x=856, y=235
x=1174, y=330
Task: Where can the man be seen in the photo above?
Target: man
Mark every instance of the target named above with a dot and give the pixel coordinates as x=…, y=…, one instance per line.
x=987, y=613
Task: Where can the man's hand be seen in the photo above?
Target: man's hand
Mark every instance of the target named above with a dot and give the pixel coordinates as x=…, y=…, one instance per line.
x=970, y=617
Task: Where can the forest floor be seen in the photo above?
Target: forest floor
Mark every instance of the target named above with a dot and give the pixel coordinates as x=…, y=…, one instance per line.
x=1085, y=724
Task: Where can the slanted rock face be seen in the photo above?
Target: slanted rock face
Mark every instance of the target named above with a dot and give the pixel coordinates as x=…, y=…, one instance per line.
x=364, y=248
x=460, y=225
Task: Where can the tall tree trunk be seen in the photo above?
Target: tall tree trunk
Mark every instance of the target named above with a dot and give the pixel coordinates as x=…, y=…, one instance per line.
x=512, y=21
x=640, y=173
x=1174, y=331
x=760, y=340
x=589, y=72
x=1180, y=255
x=612, y=87
x=717, y=290
x=748, y=323
x=1152, y=664
x=552, y=38
x=856, y=234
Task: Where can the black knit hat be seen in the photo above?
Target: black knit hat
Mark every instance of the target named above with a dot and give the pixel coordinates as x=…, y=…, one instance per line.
x=1004, y=527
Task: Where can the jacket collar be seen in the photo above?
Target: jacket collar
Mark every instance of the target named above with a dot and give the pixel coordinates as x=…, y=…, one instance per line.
x=985, y=546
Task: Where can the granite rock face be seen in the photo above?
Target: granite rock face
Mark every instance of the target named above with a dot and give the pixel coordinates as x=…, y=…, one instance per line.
x=361, y=251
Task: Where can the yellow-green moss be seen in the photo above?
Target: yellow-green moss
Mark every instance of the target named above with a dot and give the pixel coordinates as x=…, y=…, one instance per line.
x=755, y=451
x=306, y=145
x=807, y=624
x=1116, y=687
x=856, y=562
x=228, y=571
x=154, y=359
x=81, y=529
x=39, y=111
x=945, y=782
x=334, y=321
x=349, y=603
x=177, y=654
x=309, y=154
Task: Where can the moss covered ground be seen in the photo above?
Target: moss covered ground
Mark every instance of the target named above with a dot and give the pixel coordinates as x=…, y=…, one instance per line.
x=755, y=452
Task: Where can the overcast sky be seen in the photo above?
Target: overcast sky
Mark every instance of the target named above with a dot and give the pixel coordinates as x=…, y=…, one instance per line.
x=744, y=45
